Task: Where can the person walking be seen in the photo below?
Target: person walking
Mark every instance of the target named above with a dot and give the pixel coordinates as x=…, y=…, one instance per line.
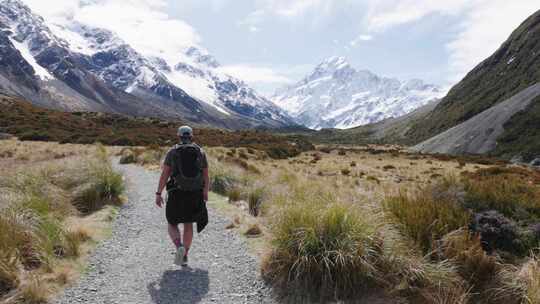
x=185, y=174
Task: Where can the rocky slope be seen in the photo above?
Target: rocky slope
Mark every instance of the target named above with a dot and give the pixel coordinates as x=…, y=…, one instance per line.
x=73, y=66
x=479, y=134
x=336, y=95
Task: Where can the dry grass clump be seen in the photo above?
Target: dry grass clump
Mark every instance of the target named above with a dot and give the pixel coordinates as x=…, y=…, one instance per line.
x=234, y=194
x=530, y=275
x=253, y=231
x=373, y=179
x=34, y=291
x=9, y=271
x=345, y=171
x=427, y=214
x=389, y=167
x=323, y=253
x=38, y=199
x=151, y=155
x=509, y=194
x=255, y=200
x=102, y=185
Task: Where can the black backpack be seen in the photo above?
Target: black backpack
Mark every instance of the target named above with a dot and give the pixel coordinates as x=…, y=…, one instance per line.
x=187, y=169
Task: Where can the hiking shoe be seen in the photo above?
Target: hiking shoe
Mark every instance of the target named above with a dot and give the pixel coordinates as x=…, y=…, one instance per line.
x=184, y=261
x=179, y=256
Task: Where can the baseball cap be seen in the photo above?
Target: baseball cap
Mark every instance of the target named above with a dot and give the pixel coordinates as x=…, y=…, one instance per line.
x=185, y=131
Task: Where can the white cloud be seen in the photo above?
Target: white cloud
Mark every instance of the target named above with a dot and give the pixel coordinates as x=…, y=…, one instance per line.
x=296, y=8
x=290, y=10
x=484, y=25
x=254, y=74
x=384, y=14
x=484, y=28
x=360, y=38
x=141, y=23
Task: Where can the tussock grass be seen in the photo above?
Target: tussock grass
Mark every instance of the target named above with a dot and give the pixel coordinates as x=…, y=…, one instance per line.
x=9, y=271
x=427, y=214
x=253, y=231
x=255, y=200
x=507, y=194
x=34, y=291
x=530, y=275
x=323, y=250
x=37, y=199
x=234, y=194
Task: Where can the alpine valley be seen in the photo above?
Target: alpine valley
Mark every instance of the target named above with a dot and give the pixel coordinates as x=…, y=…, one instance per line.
x=72, y=66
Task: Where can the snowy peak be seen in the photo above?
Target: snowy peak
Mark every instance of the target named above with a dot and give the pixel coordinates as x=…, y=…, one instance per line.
x=336, y=95
x=202, y=57
x=99, y=68
x=333, y=67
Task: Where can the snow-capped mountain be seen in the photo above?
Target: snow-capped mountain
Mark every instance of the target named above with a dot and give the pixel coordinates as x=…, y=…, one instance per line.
x=336, y=95
x=73, y=66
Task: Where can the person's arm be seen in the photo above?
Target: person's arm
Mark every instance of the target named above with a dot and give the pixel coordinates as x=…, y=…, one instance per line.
x=206, y=184
x=165, y=174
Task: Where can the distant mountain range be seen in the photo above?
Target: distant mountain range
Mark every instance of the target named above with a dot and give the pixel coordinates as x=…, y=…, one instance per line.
x=73, y=66
x=336, y=95
x=494, y=110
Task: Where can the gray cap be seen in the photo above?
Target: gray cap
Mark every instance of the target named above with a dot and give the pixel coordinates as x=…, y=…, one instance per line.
x=185, y=131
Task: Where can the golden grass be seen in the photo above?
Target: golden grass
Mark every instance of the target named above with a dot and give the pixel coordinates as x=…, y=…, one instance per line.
x=340, y=215
x=427, y=214
x=508, y=194
x=39, y=199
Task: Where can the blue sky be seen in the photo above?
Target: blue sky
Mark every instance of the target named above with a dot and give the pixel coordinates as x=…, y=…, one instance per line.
x=271, y=43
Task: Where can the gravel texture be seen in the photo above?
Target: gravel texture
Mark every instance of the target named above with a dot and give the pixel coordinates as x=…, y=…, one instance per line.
x=135, y=265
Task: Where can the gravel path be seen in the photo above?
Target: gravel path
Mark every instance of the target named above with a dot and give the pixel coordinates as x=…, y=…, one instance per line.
x=135, y=264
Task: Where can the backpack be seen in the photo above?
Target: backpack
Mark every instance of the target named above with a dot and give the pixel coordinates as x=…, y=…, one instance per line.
x=187, y=170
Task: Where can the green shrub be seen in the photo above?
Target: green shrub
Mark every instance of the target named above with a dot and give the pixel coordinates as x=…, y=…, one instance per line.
x=322, y=252
x=221, y=184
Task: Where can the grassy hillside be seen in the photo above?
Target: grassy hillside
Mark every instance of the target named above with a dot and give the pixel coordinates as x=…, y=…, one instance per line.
x=522, y=134
x=29, y=122
x=512, y=68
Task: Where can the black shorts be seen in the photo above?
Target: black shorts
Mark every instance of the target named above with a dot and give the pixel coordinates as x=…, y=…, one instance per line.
x=183, y=206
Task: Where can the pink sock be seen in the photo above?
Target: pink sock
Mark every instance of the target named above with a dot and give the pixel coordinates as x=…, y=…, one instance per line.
x=178, y=243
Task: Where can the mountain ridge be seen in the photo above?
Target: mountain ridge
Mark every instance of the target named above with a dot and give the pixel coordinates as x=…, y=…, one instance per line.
x=89, y=68
x=348, y=97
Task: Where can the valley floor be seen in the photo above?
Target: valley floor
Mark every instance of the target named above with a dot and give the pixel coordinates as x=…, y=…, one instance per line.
x=136, y=264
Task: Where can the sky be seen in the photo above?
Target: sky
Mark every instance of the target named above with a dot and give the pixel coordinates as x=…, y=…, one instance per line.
x=273, y=43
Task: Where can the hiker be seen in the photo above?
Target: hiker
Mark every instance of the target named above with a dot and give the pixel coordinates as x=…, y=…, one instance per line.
x=185, y=174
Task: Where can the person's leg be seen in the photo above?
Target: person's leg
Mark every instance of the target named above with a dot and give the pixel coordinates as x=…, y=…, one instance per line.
x=188, y=235
x=174, y=233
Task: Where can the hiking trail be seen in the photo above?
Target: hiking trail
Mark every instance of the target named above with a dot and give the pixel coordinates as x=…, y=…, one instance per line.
x=135, y=265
